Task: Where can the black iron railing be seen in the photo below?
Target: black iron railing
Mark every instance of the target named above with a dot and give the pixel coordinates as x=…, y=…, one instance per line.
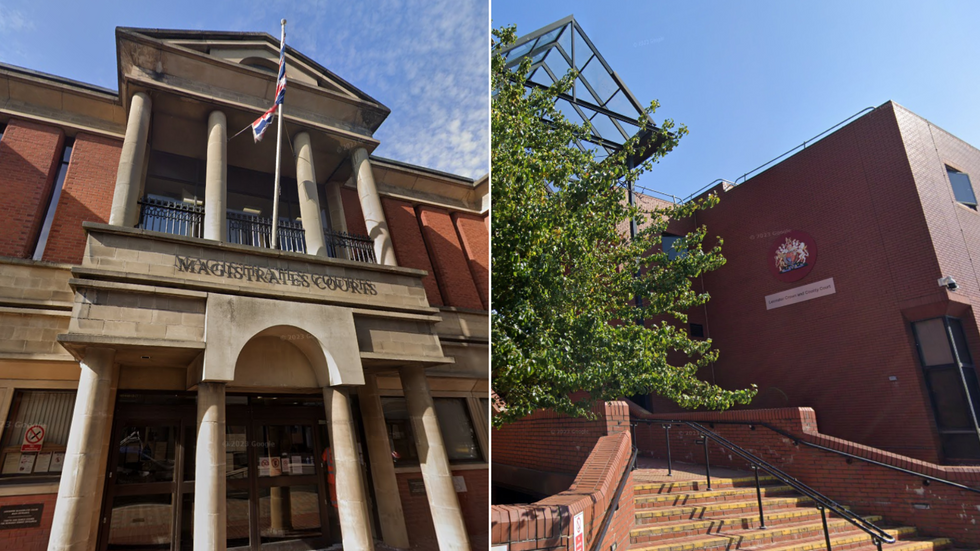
x=351, y=246
x=256, y=231
x=824, y=503
x=187, y=219
x=171, y=217
x=927, y=479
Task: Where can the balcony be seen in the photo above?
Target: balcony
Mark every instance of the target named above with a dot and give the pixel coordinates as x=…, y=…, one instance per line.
x=245, y=229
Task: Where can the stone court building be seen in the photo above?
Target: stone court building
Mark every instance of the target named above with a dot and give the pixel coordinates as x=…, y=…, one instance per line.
x=169, y=381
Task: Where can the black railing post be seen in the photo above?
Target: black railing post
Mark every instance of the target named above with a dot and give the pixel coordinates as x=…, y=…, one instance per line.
x=670, y=471
x=707, y=462
x=826, y=531
x=758, y=496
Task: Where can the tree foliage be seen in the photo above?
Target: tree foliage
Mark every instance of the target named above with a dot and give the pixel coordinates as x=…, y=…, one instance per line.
x=565, y=278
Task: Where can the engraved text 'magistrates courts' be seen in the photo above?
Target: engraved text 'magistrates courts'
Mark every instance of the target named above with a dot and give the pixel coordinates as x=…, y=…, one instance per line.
x=274, y=276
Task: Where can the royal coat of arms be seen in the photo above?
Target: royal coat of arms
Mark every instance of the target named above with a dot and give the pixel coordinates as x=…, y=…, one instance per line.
x=791, y=255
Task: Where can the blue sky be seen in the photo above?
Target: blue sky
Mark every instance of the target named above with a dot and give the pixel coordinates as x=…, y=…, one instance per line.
x=752, y=80
x=427, y=60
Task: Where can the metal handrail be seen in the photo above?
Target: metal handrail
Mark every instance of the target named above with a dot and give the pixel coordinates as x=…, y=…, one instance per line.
x=614, y=502
x=797, y=440
x=823, y=502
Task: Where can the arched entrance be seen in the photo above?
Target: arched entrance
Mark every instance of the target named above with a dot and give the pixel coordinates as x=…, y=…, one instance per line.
x=279, y=485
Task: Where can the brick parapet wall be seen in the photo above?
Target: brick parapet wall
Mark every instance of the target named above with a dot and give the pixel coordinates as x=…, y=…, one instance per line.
x=547, y=524
x=448, y=260
x=936, y=509
x=29, y=160
x=29, y=539
x=551, y=442
x=475, y=239
x=406, y=237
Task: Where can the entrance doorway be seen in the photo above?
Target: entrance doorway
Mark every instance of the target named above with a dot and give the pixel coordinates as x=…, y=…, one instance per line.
x=278, y=469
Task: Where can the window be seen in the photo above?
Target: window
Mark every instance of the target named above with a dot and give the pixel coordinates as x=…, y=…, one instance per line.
x=952, y=383
x=673, y=245
x=3, y=127
x=51, y=410
x=42, y=238
x=697, y=330
x=455, y=424
x=962, y=189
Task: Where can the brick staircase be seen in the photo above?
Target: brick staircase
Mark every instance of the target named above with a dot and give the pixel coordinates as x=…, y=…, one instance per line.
x=685, y=516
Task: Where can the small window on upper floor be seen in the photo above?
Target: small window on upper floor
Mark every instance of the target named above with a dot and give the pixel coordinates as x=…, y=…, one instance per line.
x=673, y=245
x=962, y=189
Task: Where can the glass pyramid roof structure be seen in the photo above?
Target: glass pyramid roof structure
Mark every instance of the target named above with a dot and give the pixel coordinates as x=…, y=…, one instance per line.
x=598, y=96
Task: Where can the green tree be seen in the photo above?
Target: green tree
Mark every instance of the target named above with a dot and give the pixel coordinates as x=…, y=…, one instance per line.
x=565, y=274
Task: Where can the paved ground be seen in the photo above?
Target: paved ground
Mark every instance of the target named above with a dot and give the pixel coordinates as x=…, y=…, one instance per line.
x=655, y=470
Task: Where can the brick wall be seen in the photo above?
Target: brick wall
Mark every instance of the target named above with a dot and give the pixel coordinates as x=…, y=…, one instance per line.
x=85, y=197
x=855, y=194
x=352, y=211
x=473, y=502
x=29, y=539
x=475, y=238
x=547, y=441
x=406, y=238
x=936, y=509
x=29, y=159
x=451, y=268
x=547, y=524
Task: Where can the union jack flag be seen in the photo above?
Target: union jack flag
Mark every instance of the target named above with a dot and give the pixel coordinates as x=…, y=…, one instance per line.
x=262, y=123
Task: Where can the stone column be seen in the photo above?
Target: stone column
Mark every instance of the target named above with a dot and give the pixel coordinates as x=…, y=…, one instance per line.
x=351, y=500
x=443, y=502
x=382, y=468
x=78, y=491
x=125, y=211
x=216, y=179
x=335, y=206
x=309, y=199
x=374, y=215
x=210, y=528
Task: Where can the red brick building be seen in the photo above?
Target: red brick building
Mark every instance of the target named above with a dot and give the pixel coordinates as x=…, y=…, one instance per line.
x=168, y=380
x=886, y=207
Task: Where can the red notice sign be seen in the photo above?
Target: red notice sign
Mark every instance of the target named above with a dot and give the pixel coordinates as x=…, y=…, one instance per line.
x=33, y=439
x=578, y=531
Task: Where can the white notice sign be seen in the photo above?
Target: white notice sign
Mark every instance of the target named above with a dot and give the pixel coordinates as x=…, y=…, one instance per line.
x=817, y=289
x=578, y=532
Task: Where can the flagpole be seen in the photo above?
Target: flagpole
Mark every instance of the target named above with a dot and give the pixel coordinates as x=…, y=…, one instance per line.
x=275, y=201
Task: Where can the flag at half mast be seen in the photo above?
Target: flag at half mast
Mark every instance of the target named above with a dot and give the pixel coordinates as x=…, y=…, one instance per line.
x=262, y=123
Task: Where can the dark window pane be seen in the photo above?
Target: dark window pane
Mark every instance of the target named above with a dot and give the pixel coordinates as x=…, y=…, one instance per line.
x=146, y=454
x=400, y=434
x=237, y=515
x=933, y=342
x=962, y=189
x=288, y=513
x=961, y=446
x=457, y=430
x=959, y=340
x=949, y=398
x=50, y=409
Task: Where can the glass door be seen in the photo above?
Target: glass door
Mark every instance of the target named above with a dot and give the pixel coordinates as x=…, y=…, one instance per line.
x=146, y=489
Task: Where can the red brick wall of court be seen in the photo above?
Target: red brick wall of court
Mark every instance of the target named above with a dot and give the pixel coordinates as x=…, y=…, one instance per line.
x=473, y=502
x=448, y=260
x=29, y=539
x=937, y=510
x=406, y=237
x=878, y=223
x=475, y=238
x=547, y=441
x=86, y=196
x=30, y=154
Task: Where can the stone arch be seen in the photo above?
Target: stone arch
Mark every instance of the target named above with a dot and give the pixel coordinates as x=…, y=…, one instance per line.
x=323, y=335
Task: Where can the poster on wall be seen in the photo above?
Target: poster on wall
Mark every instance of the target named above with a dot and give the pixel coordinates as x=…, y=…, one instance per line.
x=792, y=256
x=11, y=462
x=578, y=531
x=43, y=462
x=26, y=463
x=57, y=462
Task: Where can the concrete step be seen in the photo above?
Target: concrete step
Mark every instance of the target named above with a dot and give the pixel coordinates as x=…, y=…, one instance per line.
x=707, y=497
x=644, y=488
x=859, y=541
x=753, y=538
x=719, y=510
x=668, y=530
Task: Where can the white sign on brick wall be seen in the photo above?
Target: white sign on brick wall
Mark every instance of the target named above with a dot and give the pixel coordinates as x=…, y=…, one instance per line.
x=578, y=531
x=810, y=291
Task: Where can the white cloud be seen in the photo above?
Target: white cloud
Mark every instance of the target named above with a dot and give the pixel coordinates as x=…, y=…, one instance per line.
x=14, y=20
x=426, y=60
